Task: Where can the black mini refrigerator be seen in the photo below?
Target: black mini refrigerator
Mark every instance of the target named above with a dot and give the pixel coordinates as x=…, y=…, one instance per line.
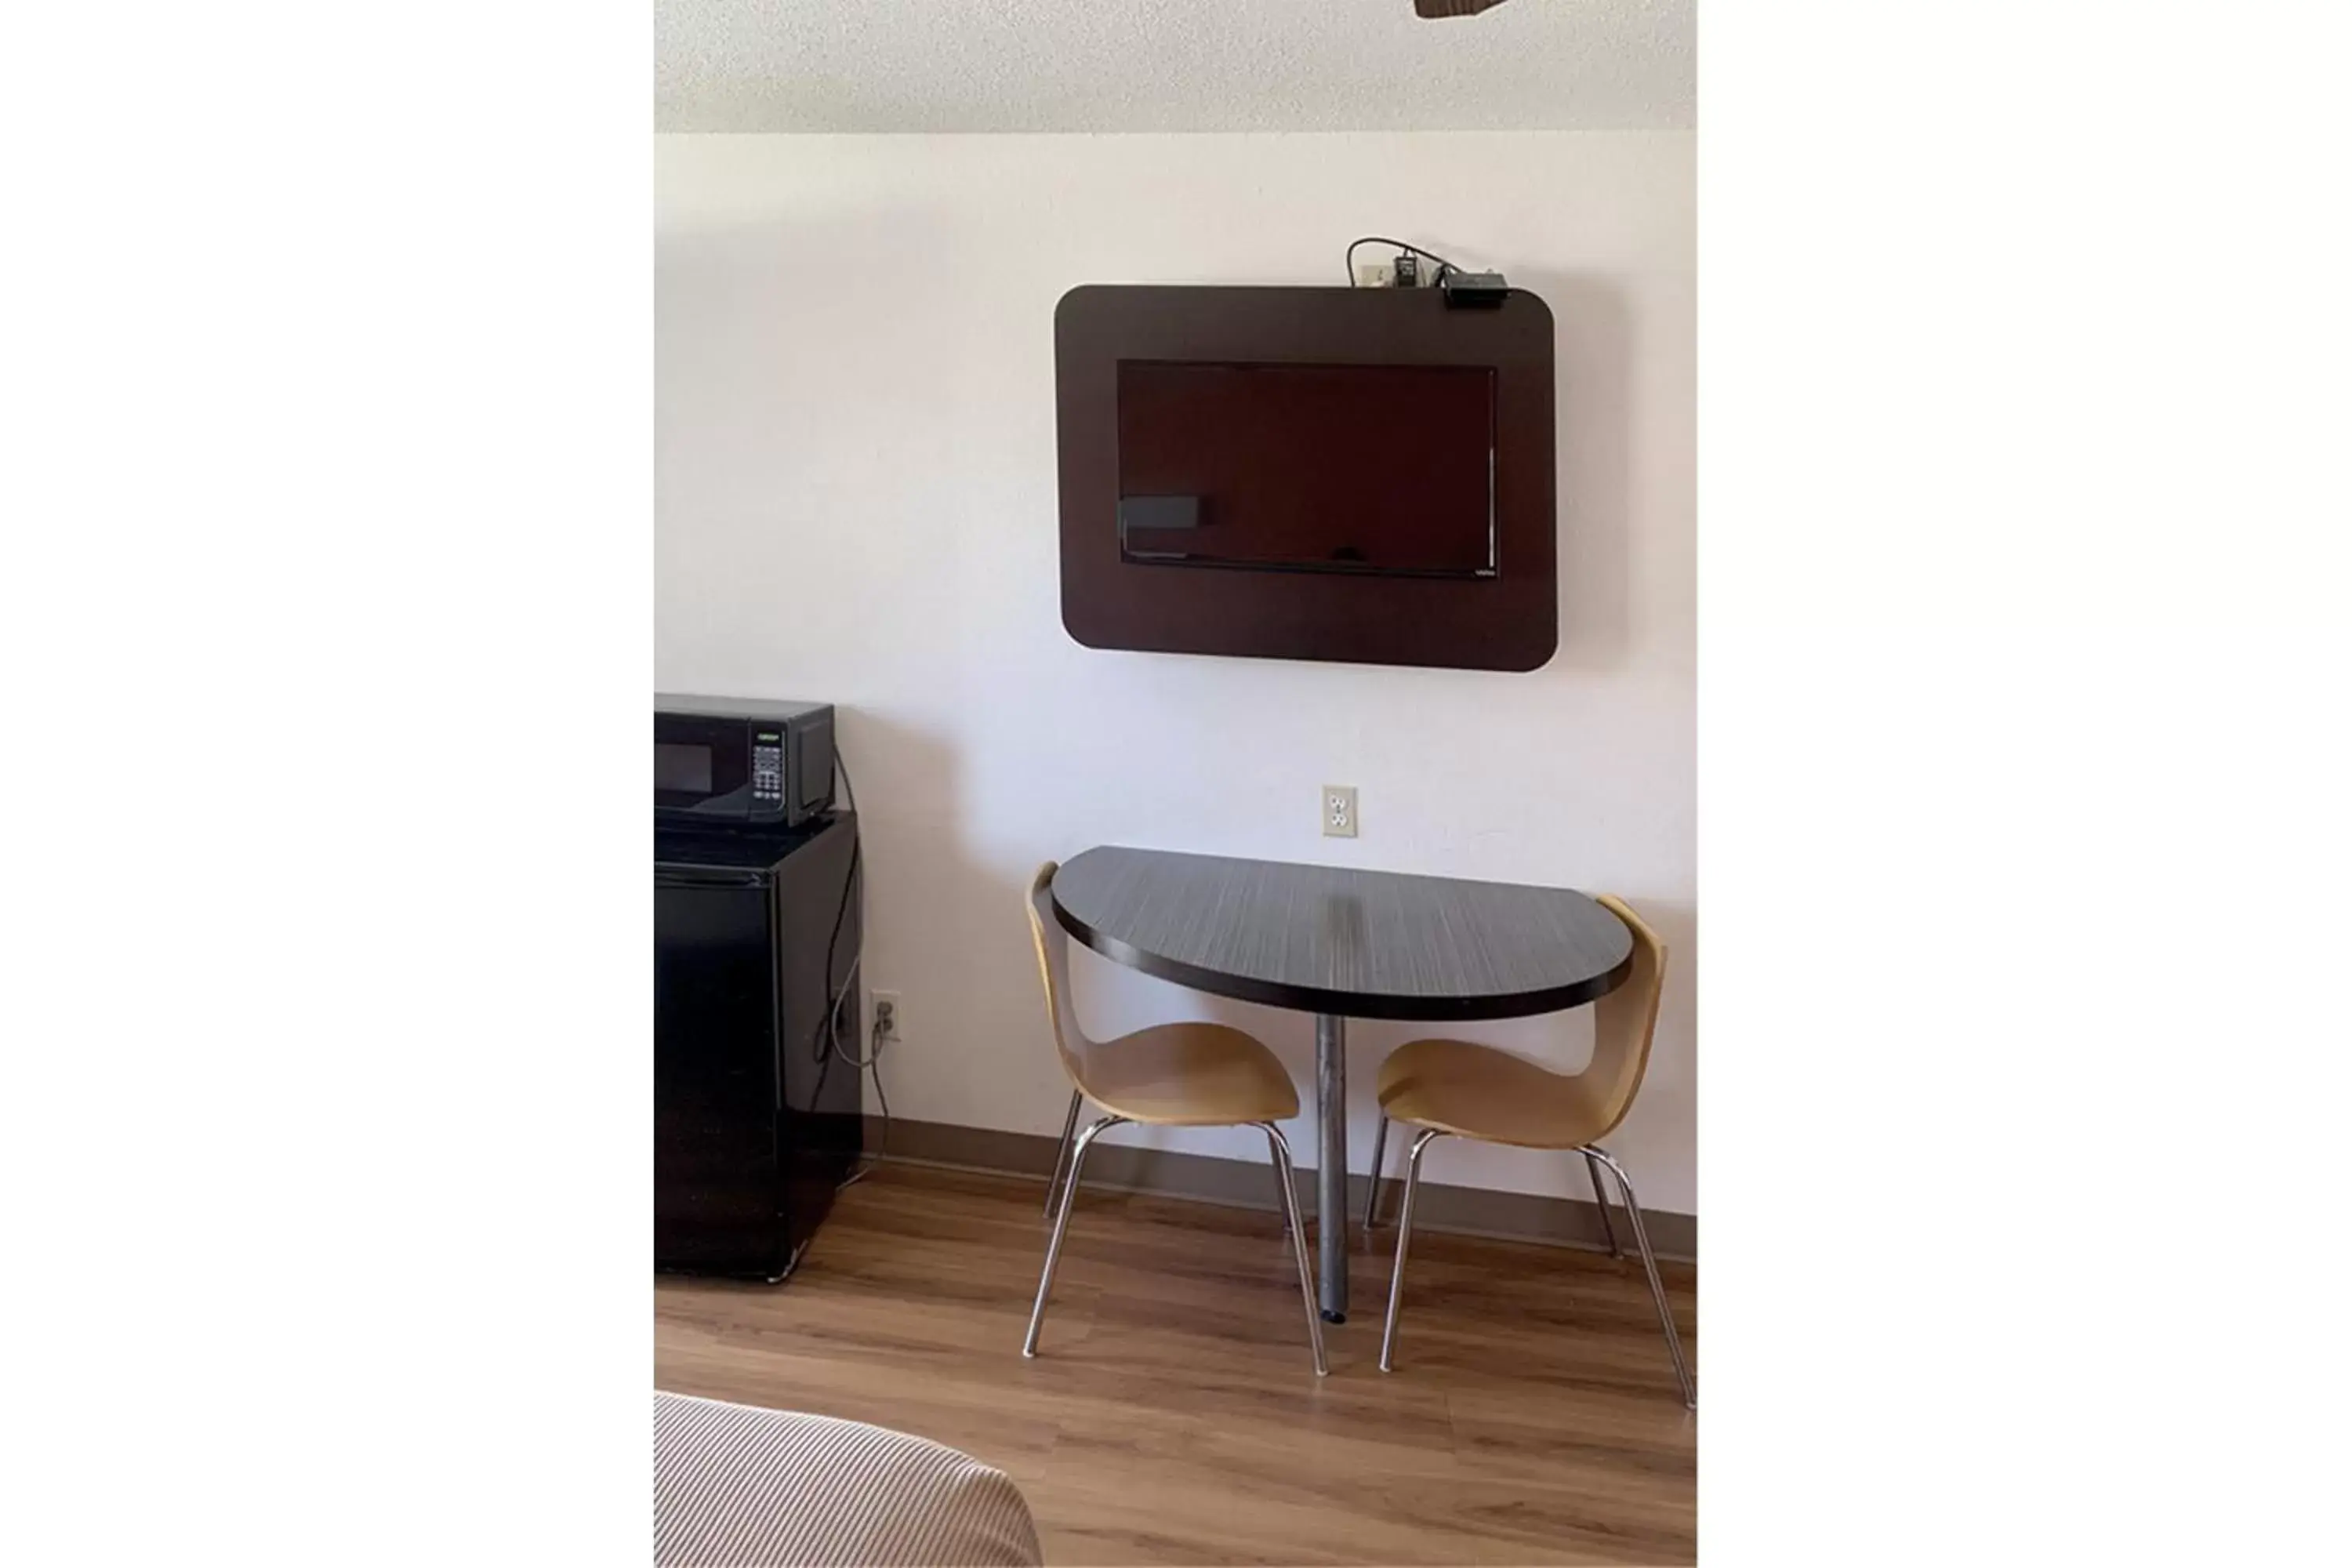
x=758, y=1115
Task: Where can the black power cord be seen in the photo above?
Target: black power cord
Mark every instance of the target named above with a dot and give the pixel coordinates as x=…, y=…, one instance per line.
x=829, y=1032
x=1444, y=265
x=874, y=1063
x=828, y=1042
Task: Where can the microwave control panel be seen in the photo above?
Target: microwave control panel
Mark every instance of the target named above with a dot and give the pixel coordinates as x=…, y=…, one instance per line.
x=767, y=767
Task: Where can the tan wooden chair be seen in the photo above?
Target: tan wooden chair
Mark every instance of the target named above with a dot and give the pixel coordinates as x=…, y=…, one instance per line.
x=1170, y=1075
x=1476, y=1091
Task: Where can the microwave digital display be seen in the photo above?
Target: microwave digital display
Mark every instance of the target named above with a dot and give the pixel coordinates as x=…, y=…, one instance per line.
x=681, y=769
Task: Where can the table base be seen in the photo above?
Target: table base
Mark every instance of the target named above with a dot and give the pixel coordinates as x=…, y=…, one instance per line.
x=1331, y=1165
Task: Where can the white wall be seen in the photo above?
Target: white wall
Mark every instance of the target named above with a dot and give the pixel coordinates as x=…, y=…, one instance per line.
x=855, y=476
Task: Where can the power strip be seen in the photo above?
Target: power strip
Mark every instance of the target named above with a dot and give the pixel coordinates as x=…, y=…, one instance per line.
x=1402, y=270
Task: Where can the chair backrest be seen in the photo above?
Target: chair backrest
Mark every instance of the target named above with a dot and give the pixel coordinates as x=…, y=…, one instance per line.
x=1624, y=1020
x=1053, y=969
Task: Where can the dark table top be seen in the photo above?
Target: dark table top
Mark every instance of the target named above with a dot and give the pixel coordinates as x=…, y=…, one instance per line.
x=1326, y=939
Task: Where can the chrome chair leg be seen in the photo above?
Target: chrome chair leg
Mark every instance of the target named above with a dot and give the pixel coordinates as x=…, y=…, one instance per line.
x=1650, y=1266
x=1062, y=1155
x=1404, y=1239
x=1061, y=1225
x=1372, y=1197
x=1288, y=1181
x=1599, y=1200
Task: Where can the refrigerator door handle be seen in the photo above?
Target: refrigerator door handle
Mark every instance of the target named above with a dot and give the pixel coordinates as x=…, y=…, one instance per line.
x=708, y=877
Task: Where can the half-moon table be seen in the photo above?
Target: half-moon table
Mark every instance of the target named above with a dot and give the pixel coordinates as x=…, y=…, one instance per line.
x=1342, y=944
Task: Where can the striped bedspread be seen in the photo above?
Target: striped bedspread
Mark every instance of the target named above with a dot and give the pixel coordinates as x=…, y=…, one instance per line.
x=738, y=1487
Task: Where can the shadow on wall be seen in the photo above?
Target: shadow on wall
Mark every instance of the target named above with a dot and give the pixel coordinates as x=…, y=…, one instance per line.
x=920, y=886
x=1593, y=393
x=1665, y=1116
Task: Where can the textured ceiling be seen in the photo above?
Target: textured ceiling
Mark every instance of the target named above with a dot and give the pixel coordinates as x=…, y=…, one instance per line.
x=1169, y=65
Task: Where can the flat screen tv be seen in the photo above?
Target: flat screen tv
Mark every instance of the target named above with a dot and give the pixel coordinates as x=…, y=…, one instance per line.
x=1307, y=467
x=1360, y=475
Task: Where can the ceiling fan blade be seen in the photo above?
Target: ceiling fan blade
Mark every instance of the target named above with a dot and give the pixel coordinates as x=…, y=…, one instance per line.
x=1434, y=8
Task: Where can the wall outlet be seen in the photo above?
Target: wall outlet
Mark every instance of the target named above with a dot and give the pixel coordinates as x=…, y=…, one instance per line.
x=1375, y=274
x=1339, y=811
x=885, y=1016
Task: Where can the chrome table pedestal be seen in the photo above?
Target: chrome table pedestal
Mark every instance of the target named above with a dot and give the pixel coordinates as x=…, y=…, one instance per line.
x=1331, y=1165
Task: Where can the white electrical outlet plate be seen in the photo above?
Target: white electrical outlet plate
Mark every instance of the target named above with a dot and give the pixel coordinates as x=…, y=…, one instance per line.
x=889, y=1019
x=1375, y=274
x=1339, y=811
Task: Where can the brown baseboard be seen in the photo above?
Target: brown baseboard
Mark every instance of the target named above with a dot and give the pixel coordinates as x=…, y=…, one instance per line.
x=1243, y=1184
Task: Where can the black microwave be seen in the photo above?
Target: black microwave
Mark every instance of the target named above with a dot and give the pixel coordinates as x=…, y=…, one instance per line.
x=741, y=759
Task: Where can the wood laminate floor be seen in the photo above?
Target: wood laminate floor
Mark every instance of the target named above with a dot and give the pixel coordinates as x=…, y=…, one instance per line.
x=1172, y=1414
